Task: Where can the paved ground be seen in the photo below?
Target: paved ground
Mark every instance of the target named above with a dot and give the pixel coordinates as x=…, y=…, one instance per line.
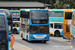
x=55, y=43
x=73, y=43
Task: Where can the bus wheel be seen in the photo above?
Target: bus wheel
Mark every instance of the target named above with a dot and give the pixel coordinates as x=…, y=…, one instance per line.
x=27, y=38
x=44, y=41
x=15, y=31
x=22, y=38
x=57, y=33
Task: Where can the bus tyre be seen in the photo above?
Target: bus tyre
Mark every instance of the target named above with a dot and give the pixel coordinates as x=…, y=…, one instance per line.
x=22, y=38
x=15, y=31
x=44, y=41
x=57, y=33
x=27, y=38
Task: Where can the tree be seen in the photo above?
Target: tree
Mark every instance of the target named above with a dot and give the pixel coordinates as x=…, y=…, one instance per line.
x=51, y=2
x=72, y=4
x=61, y=4
x=64, y=4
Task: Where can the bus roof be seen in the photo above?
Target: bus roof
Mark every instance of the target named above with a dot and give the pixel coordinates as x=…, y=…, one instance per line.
x=39, y=10
x=25, y=9
x=60, y=10
x=3, y=9
x=2, y=14
x=33, y=9
x=14, y=10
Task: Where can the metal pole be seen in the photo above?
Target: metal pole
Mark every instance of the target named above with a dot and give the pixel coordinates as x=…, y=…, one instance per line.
x=44, y=3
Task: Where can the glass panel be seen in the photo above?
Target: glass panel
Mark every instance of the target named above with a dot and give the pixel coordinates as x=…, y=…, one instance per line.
x=24, y=14
x=23, y=27
x=2, y=28
x=39, y=15
x=58, y=25
x=3, y=34
x=2, y=23
x=15, y=14
x=6, y=12
x=55, y=14
x=15, y=24
x=39, y=29
x=68, y=15
x=3, y=47
x=51, y=25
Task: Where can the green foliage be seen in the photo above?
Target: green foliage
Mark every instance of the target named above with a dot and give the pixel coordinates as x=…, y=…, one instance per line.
x=64, y=4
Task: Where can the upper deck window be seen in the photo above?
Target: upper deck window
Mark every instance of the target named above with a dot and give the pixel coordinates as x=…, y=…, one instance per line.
x=24, y=14
x=39, y=15
x=2, y=23
x=6, y=12
x=15, y=14
x=68, y=15
x=55, y=14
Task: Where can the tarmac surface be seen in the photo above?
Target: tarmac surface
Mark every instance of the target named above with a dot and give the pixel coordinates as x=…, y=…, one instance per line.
x=55, y=43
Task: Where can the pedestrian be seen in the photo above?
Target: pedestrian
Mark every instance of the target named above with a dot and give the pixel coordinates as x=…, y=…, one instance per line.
x=12, y=41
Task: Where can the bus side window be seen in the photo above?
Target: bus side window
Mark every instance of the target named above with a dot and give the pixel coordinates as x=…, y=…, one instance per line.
x=68, y=15
x=51, y=25
x=27, y=28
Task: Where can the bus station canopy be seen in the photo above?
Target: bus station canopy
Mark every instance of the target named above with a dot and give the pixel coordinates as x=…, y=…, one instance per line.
x=22, y=4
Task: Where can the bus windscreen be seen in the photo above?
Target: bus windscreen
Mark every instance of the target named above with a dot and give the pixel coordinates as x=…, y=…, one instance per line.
x=39, y=15
x=6, y=12
x=2, y=28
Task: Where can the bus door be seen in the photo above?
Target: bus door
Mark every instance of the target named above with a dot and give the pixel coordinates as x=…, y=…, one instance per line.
x=10, y=25
x=51, y=29
x=3, y=33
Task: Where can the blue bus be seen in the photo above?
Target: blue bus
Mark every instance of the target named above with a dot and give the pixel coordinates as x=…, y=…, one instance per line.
x=9, y=18
x=4, y=32
x=34, y=24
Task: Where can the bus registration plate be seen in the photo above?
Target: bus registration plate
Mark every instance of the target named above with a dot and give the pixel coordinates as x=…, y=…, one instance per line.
x=39, y=35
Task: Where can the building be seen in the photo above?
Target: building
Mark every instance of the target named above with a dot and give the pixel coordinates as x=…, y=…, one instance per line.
x=24, y=5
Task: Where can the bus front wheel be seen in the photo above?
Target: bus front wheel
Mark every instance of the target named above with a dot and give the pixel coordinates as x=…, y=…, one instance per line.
x=27, y=38
x=23, y=39
x=44, y=41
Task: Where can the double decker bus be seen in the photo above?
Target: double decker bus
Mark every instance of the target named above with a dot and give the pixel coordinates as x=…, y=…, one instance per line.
x=67, y=23
x=9, y=18
x=34, y=24
x=4, y=32
x=16, y=20
x=56, y=22
x=72, y=30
